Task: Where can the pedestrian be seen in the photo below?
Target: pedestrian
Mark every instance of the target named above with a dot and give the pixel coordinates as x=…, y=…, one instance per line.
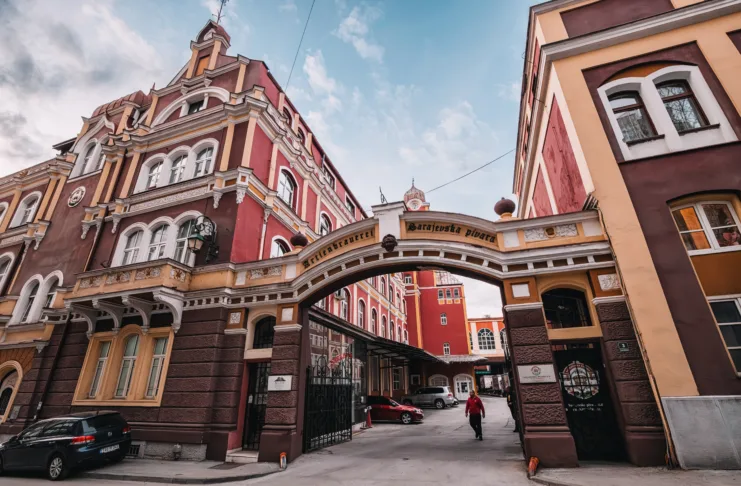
x=475, y=412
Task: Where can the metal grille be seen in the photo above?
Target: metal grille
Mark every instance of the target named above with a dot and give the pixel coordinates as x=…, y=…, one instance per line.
x=264, y=333
x=257, y=399
x=134, y=450
x=328, y=410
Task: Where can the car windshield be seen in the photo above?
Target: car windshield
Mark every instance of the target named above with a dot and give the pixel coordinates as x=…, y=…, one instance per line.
x=393, y=403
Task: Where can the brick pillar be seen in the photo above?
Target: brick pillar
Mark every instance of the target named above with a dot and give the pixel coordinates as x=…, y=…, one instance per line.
x=543, y=416
x=283, y=428
x=642, y=428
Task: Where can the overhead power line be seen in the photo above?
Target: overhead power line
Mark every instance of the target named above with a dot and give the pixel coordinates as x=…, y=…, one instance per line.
x=471, y=172
x=298, y=49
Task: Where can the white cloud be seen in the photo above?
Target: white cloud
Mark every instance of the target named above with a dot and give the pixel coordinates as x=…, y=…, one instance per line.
x=355, y=29
x=316, y=73
x=481, y=298
x=296, y=94
x=229, y=17
x=510, y=91
x=61, y=61
x=288, y=6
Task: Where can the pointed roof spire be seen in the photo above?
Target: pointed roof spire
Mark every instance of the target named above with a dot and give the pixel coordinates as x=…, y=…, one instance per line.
x=414, y=193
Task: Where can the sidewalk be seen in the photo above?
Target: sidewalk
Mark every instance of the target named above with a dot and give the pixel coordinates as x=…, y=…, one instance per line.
x=180, y=472
x=627, y=475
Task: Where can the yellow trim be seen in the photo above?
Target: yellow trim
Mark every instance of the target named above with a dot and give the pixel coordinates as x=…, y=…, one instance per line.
x=150, y=115
x=572, y=333
x=111, y=370
x=130, y=175
x=240, y=81
x=249, y=138
x=119, y=163
x=124, y=118
x=101, y=182
x=45, y=200
x=214, y=55
x=55, y=199
x=19, y=369
x=11, y=210
x=227, y=149
x=191, y=64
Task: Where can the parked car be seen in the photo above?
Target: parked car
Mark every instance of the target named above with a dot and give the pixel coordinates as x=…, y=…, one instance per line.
x=61, y=444
x=384, y=409
x=431, y=396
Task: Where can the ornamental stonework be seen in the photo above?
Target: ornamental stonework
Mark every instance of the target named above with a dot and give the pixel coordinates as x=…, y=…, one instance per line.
x=178, y=274
x=145, y=273
x=118, y=277
x=259, y=273
x=89, y=282
x=173, y=198
x=608, y=282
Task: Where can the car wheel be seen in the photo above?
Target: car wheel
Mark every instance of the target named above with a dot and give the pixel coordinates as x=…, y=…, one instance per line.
x=439, y=404
x=407, y=402
x=57, y=469
x=406, y=418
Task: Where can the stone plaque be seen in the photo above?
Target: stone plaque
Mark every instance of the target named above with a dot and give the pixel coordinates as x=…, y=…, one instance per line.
x=538, y=373
x=280, y=383
x=623, y=347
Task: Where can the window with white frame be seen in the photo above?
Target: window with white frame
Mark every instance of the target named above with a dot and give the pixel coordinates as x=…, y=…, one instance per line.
x=88, y=161
x=204, y=162
x=406, y=337
x=407, y=279
x=104, y=350
x=286, y=188
x=708, y=226
x=153, y=175
x=158, y=243
x=3, y=212
x=5, y=264
x=457, y=293
x=177, y=169
x=131, y=350
x=196, y=106
x=350, y=206
x=438, y=380
x=398, y=333
x=383, y=286
x=383, y=326
x=396, y=378
x=374, y=319
x=443, y=319
x=182, y=253
x=630, y=112
x=131, y=250
x=361, y=313
x=26, y=211
x=278, y=248
x=51, y=294
x=345, y=304
x=440, y=294
x=486, y=340
x=448, y=294
x=325, y=225
x=30, y=301
x=727, y=314
x=446, y=349
x=391, y=330
x=328, y=174
x=682, y=106
x=155, y=371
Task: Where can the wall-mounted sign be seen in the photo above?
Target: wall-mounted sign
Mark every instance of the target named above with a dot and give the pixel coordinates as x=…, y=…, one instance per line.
x=340, y=246
x=623, y=347
x=538, y=373
x=280, y=383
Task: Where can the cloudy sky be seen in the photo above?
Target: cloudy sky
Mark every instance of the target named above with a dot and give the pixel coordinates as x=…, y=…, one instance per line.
x=394, y=90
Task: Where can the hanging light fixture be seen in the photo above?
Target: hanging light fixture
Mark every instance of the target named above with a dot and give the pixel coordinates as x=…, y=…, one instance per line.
x=203, y=231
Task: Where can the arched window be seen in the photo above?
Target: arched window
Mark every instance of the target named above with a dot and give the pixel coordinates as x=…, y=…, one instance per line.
x=7, y=387
x=322, y=304
x=374, y=320
x=406, y=337
x=345, y=304
x=155, y=370
x=398, y=333
x=131, y=351
x=391, y=330
x=682, y=106
x=286, y=188
x=383, y=286
x=29, y=303
x=486, y=340
x=443, y=319
x=26, y=211
x=278, y=248
x=131, y=250
x=264, y=333
x=153, y=175
x=51, y=294
x=204, y=161
x=3, y=211
x=88, y=164
x=301, y=136
x=5, y=263
x=361, y=314
x=182, y=253
x=391, y=296
x=325, y=225
x=101, y=161
x=446, y=349
x=383, y=326
x=566, y=308
x=289, y=117
x=631, y=116
x=708, y=225
x=158, y=242
x=103, y=352
x=177, y=169
x=438, y=380
x=398, y=299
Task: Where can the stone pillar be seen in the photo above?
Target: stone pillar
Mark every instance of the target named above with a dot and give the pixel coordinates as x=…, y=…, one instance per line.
x=283, y=430
x=642, y=428
x=543, y=417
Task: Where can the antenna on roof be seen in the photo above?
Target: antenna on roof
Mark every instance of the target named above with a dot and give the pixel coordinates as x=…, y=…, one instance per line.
x=383, y=198
x=222, y=3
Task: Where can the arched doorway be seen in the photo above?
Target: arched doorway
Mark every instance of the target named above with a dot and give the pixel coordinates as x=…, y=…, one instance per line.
x=463, y=386
x=9, y=379
x=257, y=386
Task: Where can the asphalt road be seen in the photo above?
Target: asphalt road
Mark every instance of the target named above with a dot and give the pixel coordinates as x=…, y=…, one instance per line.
x=441, y=450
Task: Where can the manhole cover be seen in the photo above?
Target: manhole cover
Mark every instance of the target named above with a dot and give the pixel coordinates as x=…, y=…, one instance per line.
x=226, y=465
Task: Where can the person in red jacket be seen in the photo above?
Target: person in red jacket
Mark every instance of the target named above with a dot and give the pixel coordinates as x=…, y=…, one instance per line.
x=475, y=411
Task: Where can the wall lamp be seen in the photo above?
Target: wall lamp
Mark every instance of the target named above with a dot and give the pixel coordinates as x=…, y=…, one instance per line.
x=203, y=231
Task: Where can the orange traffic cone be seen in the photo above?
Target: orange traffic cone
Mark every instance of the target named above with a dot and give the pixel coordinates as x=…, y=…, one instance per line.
x=532, y=467
x=368, y=424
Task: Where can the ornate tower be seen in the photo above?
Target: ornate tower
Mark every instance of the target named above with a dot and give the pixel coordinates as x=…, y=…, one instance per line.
x=415, y=199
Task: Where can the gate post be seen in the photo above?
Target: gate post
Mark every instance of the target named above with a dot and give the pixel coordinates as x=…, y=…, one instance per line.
x=546, y=433
x=282, y=431
x=645, y=442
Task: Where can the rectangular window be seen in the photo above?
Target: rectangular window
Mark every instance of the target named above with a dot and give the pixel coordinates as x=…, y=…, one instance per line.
x=446, y=349
x=440, y=294
x=155, y=372
x=397, y=379
x=196, y=106
x=105, y=348
x=708, y=226
x=407, y=279
x=350, y=206
x=728, y=316
x=448, y=294
x=457, y=293
x=631, y=116
x=682, y=106
x=443, y=319
x=202, y=65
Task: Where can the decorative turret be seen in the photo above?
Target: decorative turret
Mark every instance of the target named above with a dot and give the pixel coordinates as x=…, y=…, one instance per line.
x=415, y=199
x=504, y=208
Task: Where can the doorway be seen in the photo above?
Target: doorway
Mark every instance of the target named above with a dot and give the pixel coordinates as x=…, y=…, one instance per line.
x=257, y=399
x=463, y=386
x=586, y=396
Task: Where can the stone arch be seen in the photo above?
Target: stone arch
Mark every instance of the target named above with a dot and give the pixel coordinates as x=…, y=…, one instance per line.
x=7, y=398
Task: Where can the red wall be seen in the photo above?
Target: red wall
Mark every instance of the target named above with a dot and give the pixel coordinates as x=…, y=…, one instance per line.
x=566, y=183
x=262, y=149
x=540, y=197
x=433, y=333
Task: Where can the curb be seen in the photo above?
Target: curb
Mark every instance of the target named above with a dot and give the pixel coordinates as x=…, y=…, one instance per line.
x=549, y=482
x=170, y=480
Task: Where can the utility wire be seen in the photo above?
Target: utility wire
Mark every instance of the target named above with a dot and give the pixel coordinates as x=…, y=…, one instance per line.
x=469, y=173
x=298, y=49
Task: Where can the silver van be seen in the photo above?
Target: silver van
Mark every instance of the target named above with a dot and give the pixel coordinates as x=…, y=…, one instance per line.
x=431, y=396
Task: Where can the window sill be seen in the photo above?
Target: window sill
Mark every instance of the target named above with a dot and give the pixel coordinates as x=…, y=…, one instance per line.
x=84, y=176
x=701, y=129
x=710, y=251
x=117, y=402
x=644, y=140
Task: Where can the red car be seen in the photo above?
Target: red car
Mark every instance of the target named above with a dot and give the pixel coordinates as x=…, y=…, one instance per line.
x=384, y=409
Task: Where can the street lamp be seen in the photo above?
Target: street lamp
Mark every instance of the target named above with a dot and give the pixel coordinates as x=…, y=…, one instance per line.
x=203, y=231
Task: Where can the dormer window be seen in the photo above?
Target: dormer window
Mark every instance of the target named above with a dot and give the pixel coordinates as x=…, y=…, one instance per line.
x=196, y=106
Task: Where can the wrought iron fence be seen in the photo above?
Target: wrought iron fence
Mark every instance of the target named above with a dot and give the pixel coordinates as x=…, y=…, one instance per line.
x=328, y=410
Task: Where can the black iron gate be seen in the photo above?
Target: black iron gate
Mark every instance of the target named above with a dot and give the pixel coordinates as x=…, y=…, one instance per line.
x=328, y=408
x=257, y=399
x=586, y=395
